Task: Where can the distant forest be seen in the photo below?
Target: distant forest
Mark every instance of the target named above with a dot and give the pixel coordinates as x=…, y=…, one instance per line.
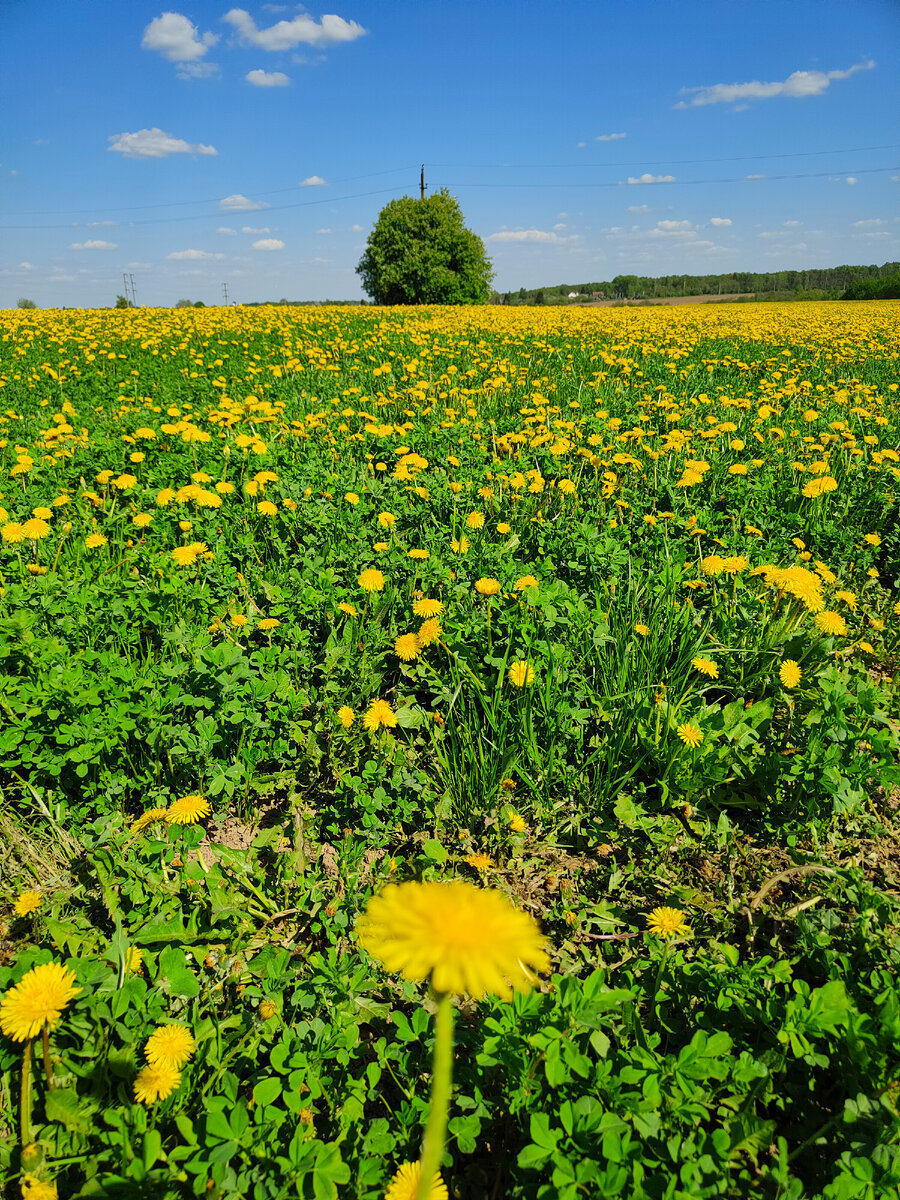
x=827, y=283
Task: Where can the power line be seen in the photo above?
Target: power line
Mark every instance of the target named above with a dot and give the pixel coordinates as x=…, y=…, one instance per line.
x=75, y=212
x=671, y=162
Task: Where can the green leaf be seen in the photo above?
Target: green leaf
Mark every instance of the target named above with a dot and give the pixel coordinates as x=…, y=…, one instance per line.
x=435, y=851
x=62, y=1105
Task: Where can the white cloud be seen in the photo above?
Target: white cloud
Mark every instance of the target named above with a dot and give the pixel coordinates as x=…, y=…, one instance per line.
x=197, y=70
x=720, y=220
x=870, y=224
x=267, y=79
x=251, y=229
x=754, y=176
x=638, y=208
x=26, y=266
x=546, y=237
x=851, y=179
x=93, y=245
x=646, y=178
x=320, y=231
x=557, y=228
x=226, y=230
x=268, y=244
x=674, y=226
x=313, y=181
x=302, y=29
x=796, y=86
x=610, y=137
x=176, y=38
x=100, y=224
x=153, y=143
x=188, y=255
x=356, y=228
x=792, y=224
x=239, y=203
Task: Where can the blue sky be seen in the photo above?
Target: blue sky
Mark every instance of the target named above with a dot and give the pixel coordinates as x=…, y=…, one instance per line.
x=203, y=144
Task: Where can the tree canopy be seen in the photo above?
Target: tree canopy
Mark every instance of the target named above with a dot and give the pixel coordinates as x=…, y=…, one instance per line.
x=420, y=252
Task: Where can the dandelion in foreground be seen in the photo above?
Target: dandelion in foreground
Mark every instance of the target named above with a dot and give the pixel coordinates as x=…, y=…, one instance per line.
x=380, y=713
x=94, y=541
x=38, y=1189
x=346, y=715
x=405, y=1184
x=371, y=580
x=521, y=674
x=38, y=999
x=156, y=1082
x=643, y=630
x=171, y=1045
x=831, y=623
x=466, y=938
x=525, y=581
x=268, y=623
x=349, y=609
x=487, y=586
x=429, y=631
x=27, y=903
x=187, y=810
x=690, y=734
x=517, y=823
x=427, y=607
x=134, y=960
x=706, y=667
x=667, y=922
x=150, y=817
x=406, y=647
x=481, y=862
x=790, y=673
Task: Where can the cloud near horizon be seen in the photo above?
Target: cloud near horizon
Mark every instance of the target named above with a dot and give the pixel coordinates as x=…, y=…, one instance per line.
x=796, y=86
x=544, y=236
x=154, y=143
x=239, y=203
x=94, y=245
x=192, y=255
x=268, y=79
x=285, y=35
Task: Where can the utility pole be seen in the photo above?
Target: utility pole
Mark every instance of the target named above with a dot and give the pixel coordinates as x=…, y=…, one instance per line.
x=422, y=183
x=225, y=293
x=125, y=285
x=133, y=300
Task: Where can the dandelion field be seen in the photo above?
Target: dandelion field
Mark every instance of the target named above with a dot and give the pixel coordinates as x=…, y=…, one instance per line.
x=547, y=656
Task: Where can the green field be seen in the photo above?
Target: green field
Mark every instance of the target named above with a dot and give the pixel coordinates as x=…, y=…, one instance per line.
x=596, y=611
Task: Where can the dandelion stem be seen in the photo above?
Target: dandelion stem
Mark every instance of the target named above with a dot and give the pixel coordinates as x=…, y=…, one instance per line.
x=441, y=1084
x=25, y=1096
x=45, y=1045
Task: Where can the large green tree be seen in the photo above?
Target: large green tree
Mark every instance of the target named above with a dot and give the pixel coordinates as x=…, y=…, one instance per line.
x=420, y=252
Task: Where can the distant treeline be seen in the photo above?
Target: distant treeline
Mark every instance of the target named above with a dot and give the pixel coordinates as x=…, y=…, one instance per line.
x=826, y=283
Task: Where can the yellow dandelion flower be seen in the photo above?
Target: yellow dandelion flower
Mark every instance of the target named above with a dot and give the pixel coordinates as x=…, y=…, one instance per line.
x=38, y=999
x=405, y=1184
x=475, y=520
x=35, y=530
x=487, y=586
x=468, y=939
x=351, y=498
x=459, y=545
x=847, y=598
x=268, y=623
x=238, y=620
x=170, y=1044
x=418, y=555
x=706, y=667
x=380, y=713
x=517, y=823
x=267, y=509
x=713, y=564
x=790, y=673
x=427, y=607
x=38, y=1189
x=27, y=902
x=690, y=734
x=371, y=580
x=134, y=960
x=667, y=922
x=643, y=630
x=185, y=556
x=873, y=539
x=157, y=1082
x=141, y=520
x=346, y=715
x=13, y=533
x=429, y=631
x=349, y=609
x=504, y=528
x=525, y=581
x=94, y=541
x=386, y=520
x=150, y=817
x=521, y=674
x=188, y=810
x=819, y=487
x=406, y=647
x=380, y=547
x=831, y=623
x=481, y=862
